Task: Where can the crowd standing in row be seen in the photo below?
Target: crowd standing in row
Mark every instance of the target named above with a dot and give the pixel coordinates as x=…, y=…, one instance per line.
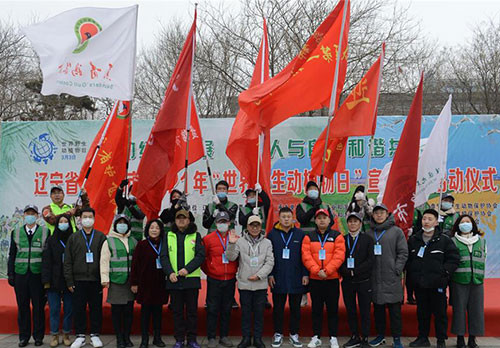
x=164, y=261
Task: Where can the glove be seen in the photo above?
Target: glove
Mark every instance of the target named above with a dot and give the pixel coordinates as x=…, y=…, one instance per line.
x=216, y=200
x=216, y=211
x=124, y=183
x=182, y=202
x=255, y=211
x=258, y=188
x=12, y=281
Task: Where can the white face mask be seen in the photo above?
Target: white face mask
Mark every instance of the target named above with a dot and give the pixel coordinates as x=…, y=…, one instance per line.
x=222, y=227
x=87, y=222
x=121, y=228
x=313, y=194
x=429, y=229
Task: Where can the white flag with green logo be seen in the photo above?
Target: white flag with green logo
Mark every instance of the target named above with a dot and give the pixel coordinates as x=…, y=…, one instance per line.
x=87, y=51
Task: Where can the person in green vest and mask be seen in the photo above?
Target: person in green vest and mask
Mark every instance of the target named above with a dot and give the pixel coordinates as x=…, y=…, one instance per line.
x=58, y=207
x=250, y=208
x=467, y=283
x=220, y=203
x=447, y=214
x=128, y=206
x=24, y=268
x=181, y=261
x=116, y=262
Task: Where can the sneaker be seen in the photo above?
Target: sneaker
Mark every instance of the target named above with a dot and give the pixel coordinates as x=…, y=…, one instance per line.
x=294, y=341
x=397, y=343
x=303, y=301
x=421, y=342
x=193, y=344
x=212, y=343
x=226, y=342
x=377, y=341
x=333, y=342
x=315, y=342
x=54, y=342
x=364, y=343
x=178, y=344
x=277, y=340
x=95, y=341
x=79, y=342
x=355, y=341
x=441, y=344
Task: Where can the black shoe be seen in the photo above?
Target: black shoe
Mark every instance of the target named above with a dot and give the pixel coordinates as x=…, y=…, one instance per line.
x=157, y=340
x=441, y=344
x=421, y=342
x=355, y=341
x=127, y=341
x=364, y=343
x=257, y=342
x=38, y=343
x=461, y=342
x=472, y=342
x=120, y=343
x=411, y=301
x=144, y=341
x=23, y=343
x=245, y=342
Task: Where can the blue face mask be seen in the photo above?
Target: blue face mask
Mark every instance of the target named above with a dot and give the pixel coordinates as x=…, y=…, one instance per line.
x=63, y=226
x=465, y=227
x=29, y=219
x=121, y=228
x=251, y=200
x=313, y=194
x=446, y=205
x=222, y=195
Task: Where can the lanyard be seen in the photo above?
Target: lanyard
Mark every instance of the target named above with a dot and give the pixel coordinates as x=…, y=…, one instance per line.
x=154, y=248
x=224, y=246
x=377, y=238
x=324, y=240
x=288, y=241
x=353, y=246
x=86, y=242
x=62, y=243
x=254, y=250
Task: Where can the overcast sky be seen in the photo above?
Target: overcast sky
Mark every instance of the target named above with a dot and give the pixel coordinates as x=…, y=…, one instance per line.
x=448, y=21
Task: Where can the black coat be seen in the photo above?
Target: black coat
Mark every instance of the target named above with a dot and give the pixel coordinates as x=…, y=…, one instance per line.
x=440, y=260
x=52, y=264
x=364, y=259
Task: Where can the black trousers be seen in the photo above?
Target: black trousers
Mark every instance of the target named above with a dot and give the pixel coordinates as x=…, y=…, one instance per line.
x=252, y=302
x=431, y=301
x=410, y=291
x=394, y=315
x=122, y=316
x=148, y=311
x=87, y=292
x=185, y=308
x=325, y=292
x=28, y=288
x=220, y=294
x=363, y=292
x=279, y=301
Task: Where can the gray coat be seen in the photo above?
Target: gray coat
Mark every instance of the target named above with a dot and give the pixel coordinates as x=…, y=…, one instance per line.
x=265, y=260
x=386, y=275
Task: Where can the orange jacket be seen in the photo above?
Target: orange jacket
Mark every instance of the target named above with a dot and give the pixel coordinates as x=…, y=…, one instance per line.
x=335, y=254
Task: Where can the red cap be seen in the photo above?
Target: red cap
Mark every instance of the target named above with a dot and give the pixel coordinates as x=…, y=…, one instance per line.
x=322, y=211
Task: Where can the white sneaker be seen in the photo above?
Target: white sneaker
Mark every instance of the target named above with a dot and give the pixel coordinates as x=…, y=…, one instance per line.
x=95, y=341
x=333, y=342
x=315, y=342
x=78, y=342
x=277, y=340
x=294, y=341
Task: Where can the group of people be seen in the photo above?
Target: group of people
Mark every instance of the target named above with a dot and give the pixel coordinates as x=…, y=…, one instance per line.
x=163, y=262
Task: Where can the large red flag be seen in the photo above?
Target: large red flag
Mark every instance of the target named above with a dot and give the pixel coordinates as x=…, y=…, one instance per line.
x=165, y=152
x=357, y=116
x=110, y=165
x=306, y=82
x=402, y=180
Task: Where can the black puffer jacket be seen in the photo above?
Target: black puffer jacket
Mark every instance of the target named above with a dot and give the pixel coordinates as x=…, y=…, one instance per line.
x=440, y=260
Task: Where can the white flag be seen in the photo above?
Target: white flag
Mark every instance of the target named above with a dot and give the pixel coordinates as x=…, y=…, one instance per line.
x=87, y=51
x=432, y=161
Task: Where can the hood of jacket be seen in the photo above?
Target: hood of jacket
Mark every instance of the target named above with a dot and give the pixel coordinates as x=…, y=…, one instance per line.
x=390, y=222
x=252, y=240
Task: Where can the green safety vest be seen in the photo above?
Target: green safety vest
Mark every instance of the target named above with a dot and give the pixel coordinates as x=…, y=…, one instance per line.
x=121, y=260
x=136, y=225
x=189, y=249
x=471, y=267
x=211, y=209
x=448, y=222
x=29, y=255
x=56, y=210
x=311, y=225
x=262, y=214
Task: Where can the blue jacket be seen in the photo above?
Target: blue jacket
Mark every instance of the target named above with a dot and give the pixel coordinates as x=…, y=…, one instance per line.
x=287, y=273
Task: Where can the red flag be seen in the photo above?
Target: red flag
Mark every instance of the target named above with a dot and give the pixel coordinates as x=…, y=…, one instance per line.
x=306, y=82
x=402, y=179
x=109, y=167
x=357, y=116
x=165, y=152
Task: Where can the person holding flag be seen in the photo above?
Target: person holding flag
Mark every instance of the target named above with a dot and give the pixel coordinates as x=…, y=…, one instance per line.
x=310, y=205
x=250, y=208
x=220, y=203
x=177, y=200
x=447, y=213
x=128, y=206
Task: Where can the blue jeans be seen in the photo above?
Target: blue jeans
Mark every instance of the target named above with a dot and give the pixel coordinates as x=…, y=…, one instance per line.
x=55, y=298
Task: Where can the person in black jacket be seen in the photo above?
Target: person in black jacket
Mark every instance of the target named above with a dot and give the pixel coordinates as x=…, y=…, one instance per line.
x=220, y=202
x=306, y=210
x=53, y=280
x=250, y=208
x=433, y=257
x=167, y=216
x=356, y=279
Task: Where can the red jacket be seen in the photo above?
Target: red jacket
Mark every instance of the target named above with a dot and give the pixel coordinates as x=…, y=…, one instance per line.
x=213, y=265
x=334, y=250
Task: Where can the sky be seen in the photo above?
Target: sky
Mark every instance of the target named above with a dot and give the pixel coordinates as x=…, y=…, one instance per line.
x=447, y=21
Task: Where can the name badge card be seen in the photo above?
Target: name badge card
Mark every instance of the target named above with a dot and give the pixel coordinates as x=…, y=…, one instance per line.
x=224, y=258
x=350, y=262
x=89, y=256
x=377, y=249
x=158, y=263
x=286, y=254
x=322, y=254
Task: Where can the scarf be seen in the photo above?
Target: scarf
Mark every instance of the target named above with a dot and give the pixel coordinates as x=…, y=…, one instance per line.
x=469, y=241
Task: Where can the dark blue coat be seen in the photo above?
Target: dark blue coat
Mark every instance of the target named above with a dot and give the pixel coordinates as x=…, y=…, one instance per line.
x=288, y=273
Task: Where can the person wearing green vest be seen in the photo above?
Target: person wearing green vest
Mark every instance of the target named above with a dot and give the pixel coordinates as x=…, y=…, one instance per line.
x=58, y=207
x=363, y=205
x=250, y=208
x=128, y=206
x=116, y=262
x=447, y=214
x=467, y=283
x=181, y=260
x=310, y=205
x=220, y=203
x=24, y=274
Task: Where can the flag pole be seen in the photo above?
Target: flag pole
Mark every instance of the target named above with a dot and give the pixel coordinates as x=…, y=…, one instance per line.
x=333, y=98
x=370, y=151
x=129, y=144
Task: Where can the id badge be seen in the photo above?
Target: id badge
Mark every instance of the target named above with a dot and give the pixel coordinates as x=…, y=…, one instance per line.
x=224, y=258
x=377, y=249
x=322, y=254
x=421, y=252
x=350, y=262
x=158, y=263
x=254, y=261
x=286, y=254
x=89, y=256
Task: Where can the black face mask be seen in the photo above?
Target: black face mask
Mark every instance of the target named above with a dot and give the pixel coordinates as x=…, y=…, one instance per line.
x=174, y=201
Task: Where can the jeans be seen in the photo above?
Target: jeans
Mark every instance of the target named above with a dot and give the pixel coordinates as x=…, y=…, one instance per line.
x=54, y=297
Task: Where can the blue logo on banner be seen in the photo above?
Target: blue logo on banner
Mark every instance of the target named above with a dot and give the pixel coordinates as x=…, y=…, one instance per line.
x=42, y=148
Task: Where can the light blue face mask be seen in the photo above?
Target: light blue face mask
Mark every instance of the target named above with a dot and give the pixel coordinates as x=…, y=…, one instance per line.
x=222, y=195
x=29, y=219
x=446, y=205
x=465, y=227
x=63, y=226
x=313, y=194
x=251, y=200
x=121, y=228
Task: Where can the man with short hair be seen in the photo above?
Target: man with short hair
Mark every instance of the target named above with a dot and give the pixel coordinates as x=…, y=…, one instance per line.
x=250, y=208
x=129, y=207
x=220, y=203
x=448, y=214
x=306, y=210
x=24, y=273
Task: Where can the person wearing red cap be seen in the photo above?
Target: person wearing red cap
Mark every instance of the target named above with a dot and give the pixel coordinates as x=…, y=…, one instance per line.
x=323, y=252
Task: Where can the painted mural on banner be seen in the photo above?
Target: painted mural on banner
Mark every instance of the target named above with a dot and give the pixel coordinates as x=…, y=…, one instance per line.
x=37, y=155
